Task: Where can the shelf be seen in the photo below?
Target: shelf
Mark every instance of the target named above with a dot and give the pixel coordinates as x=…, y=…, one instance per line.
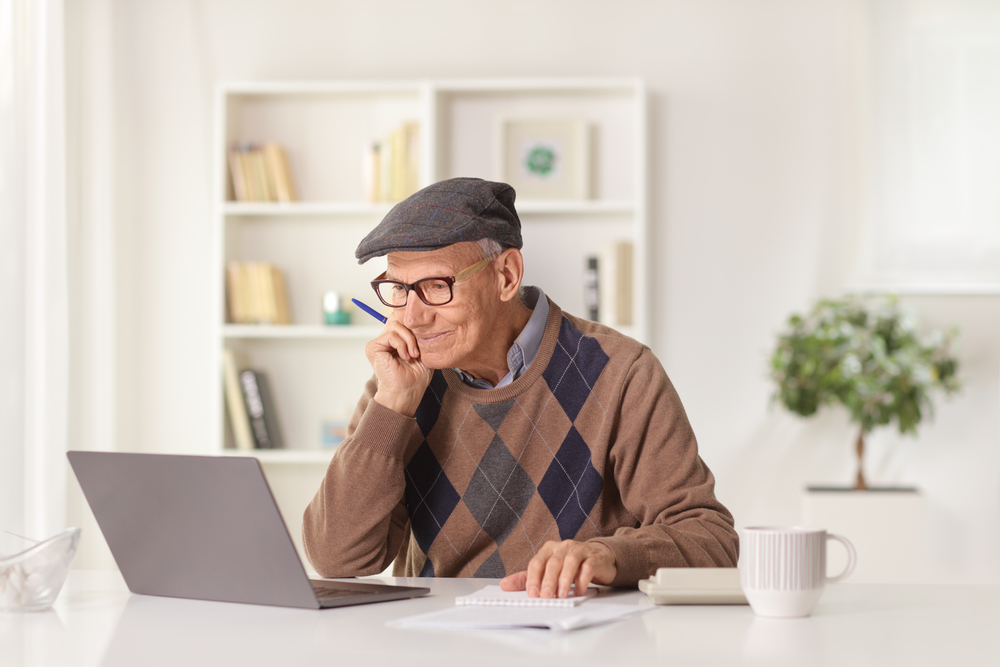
x=583, y=207
x=311, y=89
x=316, y=372
x=284, y=456
x=300, y=331
x=252, y=209
x=270, y=209
x=586, y=85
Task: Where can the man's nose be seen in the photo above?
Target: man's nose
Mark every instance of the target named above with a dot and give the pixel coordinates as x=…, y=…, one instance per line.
x=415, y=312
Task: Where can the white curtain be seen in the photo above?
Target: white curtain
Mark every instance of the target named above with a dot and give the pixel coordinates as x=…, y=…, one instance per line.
x=34, y=340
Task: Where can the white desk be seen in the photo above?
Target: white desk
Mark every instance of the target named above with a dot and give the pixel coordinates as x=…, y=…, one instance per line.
x=97, y=622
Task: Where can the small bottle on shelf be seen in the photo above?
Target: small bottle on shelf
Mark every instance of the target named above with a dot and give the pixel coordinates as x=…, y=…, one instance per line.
x=333, y=311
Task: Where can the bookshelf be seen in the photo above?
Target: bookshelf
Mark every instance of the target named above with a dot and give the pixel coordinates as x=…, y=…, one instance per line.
x=317, y=371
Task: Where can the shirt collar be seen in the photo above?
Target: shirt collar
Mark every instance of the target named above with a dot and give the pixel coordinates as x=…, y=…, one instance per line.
x=526, y=345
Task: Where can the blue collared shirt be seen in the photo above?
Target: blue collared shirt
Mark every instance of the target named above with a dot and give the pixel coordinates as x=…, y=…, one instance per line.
x=525, y=346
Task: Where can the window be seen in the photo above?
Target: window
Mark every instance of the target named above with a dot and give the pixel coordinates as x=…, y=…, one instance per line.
x=934, y=214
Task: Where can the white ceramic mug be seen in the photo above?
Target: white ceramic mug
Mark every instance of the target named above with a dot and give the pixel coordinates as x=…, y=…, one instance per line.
x=783, y=568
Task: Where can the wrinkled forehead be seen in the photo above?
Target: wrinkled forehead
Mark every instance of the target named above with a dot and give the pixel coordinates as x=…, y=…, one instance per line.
x=414, y=265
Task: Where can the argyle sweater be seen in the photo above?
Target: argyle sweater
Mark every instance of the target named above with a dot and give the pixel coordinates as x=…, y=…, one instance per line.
x=590, y=443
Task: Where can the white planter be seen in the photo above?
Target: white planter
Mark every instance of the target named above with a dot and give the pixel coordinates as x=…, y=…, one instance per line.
x=886, y=527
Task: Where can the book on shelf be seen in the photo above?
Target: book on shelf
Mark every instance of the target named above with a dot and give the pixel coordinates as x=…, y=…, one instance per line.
x=614, y=266
x=256, y=293
x=591, y=288
x=392, y=165
x=281, y=175
x=260, y=173
x=236, y=409
x=260, y=410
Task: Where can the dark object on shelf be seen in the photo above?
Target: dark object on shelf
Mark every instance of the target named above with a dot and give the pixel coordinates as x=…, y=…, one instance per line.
x=591, y=290
x=260, y=407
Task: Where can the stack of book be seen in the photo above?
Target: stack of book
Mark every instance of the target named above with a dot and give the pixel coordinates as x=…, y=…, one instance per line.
x=250, y=405
x=256, y=294
x=260, y=173
x=392, y=166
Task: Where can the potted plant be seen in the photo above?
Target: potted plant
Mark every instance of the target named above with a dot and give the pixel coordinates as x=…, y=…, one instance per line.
x=867, y=357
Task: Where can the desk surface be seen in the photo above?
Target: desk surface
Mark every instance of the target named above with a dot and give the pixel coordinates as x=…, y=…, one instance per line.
x=96, y=621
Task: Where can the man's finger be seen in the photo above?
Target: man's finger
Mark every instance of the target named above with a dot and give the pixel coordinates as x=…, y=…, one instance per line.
x=536, y=569
x=514, y=582
x=550, y=580
x=583, y=577
x=394, y=324
x=403, y=343
x=570, y=566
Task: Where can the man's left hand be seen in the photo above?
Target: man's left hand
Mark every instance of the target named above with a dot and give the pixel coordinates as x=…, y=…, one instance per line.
x=561, y=566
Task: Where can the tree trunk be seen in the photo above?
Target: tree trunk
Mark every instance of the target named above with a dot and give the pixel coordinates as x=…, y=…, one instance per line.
x=860, y=484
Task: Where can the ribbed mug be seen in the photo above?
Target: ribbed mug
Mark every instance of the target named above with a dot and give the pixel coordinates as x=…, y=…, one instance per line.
x=783, y=568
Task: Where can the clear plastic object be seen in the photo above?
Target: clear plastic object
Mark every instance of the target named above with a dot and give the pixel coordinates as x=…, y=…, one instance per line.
x=30, y=578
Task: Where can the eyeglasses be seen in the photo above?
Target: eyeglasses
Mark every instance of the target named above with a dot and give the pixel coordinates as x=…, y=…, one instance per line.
x=432, y=291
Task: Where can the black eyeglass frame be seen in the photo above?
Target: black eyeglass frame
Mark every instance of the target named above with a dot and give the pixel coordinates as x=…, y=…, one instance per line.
x=414, y=287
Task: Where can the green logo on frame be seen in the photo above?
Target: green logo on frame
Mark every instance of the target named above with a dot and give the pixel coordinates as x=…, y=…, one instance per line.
x=541, y=160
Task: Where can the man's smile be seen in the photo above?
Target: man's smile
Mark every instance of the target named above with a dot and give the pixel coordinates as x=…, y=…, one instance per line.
x=430, y=339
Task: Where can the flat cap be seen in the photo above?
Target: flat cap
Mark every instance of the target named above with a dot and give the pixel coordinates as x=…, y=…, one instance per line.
x=447, y=212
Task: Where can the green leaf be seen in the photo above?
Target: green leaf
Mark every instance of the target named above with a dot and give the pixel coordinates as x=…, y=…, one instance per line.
x=866, y=356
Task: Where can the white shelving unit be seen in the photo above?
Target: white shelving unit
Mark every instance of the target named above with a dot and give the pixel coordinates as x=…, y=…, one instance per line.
x=317, y=372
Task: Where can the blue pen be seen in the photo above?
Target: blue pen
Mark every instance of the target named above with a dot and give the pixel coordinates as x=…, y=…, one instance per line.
x=371, y=311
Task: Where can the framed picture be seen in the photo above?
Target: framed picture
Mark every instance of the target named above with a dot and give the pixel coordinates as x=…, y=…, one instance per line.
x=545, y=158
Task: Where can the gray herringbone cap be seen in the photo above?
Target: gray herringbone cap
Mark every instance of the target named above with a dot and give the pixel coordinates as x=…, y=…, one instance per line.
x=447, y=212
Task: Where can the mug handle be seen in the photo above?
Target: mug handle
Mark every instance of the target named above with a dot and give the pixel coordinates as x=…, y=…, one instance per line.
x=852, y=557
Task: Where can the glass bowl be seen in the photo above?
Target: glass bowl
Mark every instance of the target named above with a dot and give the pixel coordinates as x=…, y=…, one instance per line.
x=30, y=579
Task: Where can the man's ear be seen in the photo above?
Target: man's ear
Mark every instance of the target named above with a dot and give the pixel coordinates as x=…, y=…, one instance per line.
x=510, y=271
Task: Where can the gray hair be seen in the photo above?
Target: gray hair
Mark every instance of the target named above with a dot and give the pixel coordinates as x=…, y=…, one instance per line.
x=491, y=249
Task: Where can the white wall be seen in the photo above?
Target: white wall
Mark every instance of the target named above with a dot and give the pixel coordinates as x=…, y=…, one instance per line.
x=754, y=128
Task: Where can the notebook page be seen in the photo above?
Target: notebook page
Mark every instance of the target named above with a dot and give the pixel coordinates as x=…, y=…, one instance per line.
x=494, y=596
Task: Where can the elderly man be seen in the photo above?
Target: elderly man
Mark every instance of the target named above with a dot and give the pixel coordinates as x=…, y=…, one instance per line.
x=501, y=436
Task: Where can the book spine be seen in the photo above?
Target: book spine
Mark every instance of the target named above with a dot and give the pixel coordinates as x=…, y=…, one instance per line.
x=279, y=174
x=260, y=408
x=257, y=310
x=615, y=284
x=239, y=420
x=234, y=288
x=246, y=168
x=412, y=158
x=265, y=278
x=283, y=313
x=260, y=164
x=591, y=289
x=237, y=175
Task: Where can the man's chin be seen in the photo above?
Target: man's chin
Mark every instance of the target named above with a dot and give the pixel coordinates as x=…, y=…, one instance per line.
x=435, y=361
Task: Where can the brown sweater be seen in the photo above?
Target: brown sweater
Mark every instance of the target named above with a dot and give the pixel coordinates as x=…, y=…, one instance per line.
x=590, y=443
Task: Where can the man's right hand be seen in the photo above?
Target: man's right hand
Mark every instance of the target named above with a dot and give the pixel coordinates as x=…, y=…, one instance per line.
x=402, y=376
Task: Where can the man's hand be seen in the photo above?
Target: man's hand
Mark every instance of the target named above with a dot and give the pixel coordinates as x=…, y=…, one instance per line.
x=402, y=377
x=558, y=566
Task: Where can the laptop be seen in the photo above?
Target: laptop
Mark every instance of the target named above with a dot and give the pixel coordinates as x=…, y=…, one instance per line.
x=206, y=528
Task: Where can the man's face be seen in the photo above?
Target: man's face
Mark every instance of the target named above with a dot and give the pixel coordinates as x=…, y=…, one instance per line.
x=456, y=334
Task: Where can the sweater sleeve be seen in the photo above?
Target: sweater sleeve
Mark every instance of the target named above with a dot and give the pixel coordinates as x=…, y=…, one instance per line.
x=357, y=520
x=663, y=483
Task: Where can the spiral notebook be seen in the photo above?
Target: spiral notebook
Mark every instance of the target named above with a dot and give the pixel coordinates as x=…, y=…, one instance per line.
x=494, y=596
